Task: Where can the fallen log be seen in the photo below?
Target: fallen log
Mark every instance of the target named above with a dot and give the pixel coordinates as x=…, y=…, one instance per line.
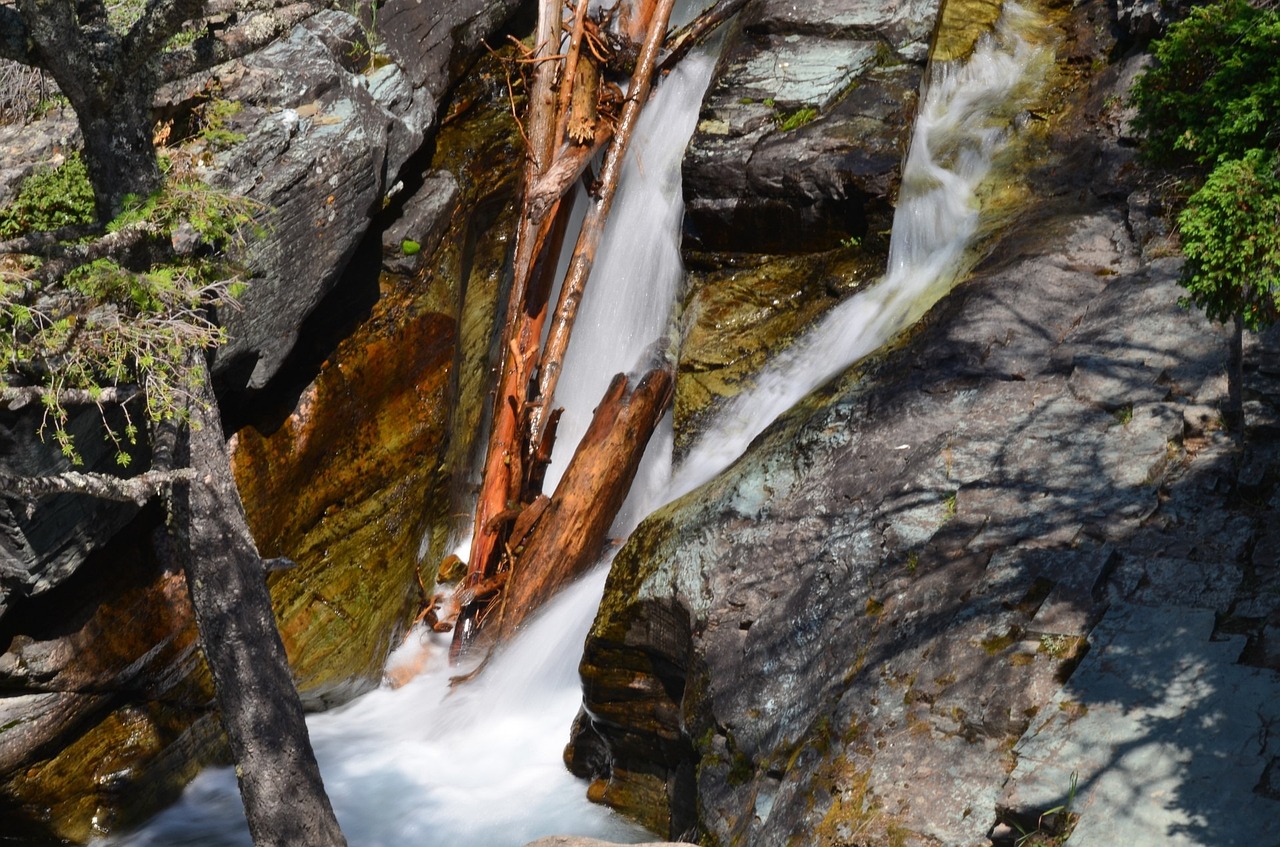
x=569, y=531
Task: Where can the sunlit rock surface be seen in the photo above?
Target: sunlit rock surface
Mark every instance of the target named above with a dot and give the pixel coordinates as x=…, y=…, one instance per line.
x=330, y=122
x=843, y=637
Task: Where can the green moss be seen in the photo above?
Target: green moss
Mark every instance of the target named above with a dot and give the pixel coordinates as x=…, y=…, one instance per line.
x=996, y=644
x=796, y=119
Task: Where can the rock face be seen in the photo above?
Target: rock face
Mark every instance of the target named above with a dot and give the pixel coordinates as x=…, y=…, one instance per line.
x=106, y=708
x=806, y=123
x=842, y=638
x=331, y=121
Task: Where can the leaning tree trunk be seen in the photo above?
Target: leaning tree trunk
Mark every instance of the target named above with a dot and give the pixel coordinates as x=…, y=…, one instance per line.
x=284, y=798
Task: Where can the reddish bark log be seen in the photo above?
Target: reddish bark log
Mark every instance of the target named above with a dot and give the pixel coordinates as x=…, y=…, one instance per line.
x=504, y=474
x=568, y=534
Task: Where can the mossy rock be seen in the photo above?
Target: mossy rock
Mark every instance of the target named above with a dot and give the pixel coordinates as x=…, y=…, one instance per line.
x=743, y=309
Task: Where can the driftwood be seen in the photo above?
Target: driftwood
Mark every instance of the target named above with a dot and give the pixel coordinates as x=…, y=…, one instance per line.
x=584, y=253
x=562, y=536
x=503, y=474
x=526, y=545
x=696, y=31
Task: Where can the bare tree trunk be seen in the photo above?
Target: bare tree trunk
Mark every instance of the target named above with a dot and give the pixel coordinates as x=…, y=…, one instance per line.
x=1235, y=381
x=280, y=785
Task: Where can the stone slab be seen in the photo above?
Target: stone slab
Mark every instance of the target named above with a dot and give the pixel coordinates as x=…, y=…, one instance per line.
x=1168, y=742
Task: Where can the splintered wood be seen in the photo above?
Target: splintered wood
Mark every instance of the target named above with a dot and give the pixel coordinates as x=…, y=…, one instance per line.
x=527, y=545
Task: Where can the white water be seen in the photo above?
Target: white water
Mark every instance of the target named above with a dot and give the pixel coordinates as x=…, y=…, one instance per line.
x=481, y=766
x=951, y=153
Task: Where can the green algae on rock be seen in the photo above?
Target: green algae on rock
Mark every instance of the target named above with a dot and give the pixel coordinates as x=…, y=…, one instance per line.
x=743, y=309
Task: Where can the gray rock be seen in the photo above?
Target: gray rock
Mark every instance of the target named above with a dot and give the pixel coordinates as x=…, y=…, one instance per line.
x=327, y=139
x=1176, y=582
x=26, y=148
x=423, y=220
x=1157, y=739
x=43, y=543
x=324, y=141
x=805, y=124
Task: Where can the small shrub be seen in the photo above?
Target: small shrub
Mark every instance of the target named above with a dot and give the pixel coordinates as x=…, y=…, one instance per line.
x=211, y=123
x=1215, y=91
x=1231, y=237
x=50, y=199
x=105, y=324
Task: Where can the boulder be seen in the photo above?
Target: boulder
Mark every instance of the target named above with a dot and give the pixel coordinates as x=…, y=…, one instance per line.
x=805, y=125
x=331, y=119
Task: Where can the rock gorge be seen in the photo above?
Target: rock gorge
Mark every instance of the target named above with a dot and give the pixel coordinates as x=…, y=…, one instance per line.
x=859, y=632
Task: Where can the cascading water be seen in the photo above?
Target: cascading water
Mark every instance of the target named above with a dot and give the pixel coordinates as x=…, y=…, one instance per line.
x=966, y=115
x=481, y=765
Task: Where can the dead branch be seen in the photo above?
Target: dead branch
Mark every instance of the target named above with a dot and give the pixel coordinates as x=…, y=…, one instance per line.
x=571, y=69
x=503, y=474
x=241, y=39
x=48, y=243
x=136, y=489
x=593, y=225
x=696, y=31
x=17, y=397
x=555, y=540
x=111, y=244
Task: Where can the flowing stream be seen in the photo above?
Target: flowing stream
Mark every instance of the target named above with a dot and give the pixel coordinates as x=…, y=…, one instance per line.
x=480, y=765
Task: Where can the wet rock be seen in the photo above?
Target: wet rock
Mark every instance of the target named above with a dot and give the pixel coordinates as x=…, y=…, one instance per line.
x=804, y=126
x=743, y=310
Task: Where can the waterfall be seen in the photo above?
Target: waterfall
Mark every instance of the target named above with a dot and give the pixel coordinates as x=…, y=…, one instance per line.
x=481, y=765
x=963, y=121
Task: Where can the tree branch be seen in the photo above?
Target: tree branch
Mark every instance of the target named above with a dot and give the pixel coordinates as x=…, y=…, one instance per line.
x=48, y=243
x=575, y=281
x=16, y=398
x=696, y=31
x=159, y=22
x=138, y=489
x=13, y=37
x=113, y=243
x=243, y=38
